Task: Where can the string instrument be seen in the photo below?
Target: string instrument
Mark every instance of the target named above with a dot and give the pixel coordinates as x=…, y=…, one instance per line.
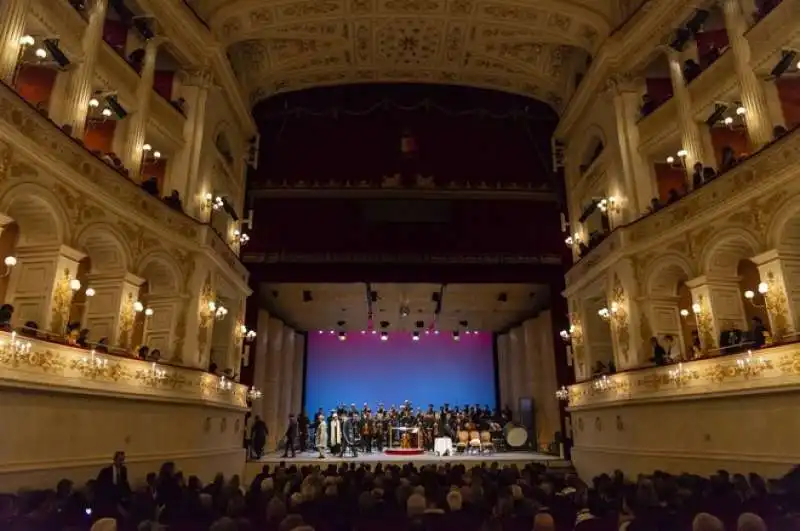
x=366, y=426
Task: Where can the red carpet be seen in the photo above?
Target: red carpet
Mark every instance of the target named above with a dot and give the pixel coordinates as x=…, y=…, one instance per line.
x=404, y=451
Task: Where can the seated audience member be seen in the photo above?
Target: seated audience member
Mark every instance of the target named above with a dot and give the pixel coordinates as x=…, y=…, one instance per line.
x=6, y=314
x=697, y=175
x=709, y=174
x=659, y=354
x=655, y=205
x=136, y=59
x=173, y=200
x=648, y=105
x=710, y=54
x=778, y=131
x=671, y=351
x=758, y=332
x=155, y=355
x=599, y=369
x=729, y=159
x=102, y=345
x=673, y=196
x=691, y=70
x=83, y=338
x=731, y=339
x=72, y=333
x=150, y=185
x=30, y=329
x=142, y=352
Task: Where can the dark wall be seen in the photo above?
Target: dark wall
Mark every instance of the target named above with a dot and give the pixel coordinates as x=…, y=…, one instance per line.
x=353, y=133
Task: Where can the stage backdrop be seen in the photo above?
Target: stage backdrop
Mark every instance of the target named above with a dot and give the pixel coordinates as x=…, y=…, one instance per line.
x=434, y=370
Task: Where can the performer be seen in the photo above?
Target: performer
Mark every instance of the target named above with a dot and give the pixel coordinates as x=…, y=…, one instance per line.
x=335, y=439
x=380, y=429
x=322, y=435
x=349, y=432
x=259, y=437
x=291, y=433
x=302, y=427
x=366, y=432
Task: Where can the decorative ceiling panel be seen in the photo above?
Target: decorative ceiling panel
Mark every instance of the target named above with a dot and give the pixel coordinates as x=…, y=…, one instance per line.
x=522, y=47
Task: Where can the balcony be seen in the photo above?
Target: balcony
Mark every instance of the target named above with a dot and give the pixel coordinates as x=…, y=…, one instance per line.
x=762, y=174
x=34, y=363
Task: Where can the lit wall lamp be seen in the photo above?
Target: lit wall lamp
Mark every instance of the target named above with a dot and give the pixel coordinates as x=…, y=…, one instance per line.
x=566, y=335
x=609, y=204
x=563, y=394
x=212, y=202
x=75, y=286
x=254, y=394
x=247, y=334
x=682, y=154
x=8, y=264
x=138, y=307
x=240, y=237
x=763, y=288
x=217, y=310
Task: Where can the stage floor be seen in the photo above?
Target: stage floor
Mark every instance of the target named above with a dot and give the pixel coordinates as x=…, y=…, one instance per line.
x=253, y=467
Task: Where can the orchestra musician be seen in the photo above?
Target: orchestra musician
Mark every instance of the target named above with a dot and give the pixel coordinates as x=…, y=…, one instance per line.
x=366, y=431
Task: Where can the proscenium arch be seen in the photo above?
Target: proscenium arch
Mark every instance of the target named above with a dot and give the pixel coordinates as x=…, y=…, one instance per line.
x=38, y=213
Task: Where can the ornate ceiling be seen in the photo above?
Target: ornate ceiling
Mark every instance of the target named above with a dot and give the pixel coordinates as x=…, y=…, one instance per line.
x=513, y=46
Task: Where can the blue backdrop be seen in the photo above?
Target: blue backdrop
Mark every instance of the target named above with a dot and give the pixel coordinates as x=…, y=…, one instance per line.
x=434, y=370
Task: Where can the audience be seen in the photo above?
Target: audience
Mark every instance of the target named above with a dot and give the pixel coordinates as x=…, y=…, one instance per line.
x=447, y=497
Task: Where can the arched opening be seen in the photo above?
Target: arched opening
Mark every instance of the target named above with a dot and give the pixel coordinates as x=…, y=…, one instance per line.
x=161, y=294
x=671, y=317
x=786, y=239
x=592, y=151
x=598, y=342
x=755, y=308
x=8, y=246
x=224, y=147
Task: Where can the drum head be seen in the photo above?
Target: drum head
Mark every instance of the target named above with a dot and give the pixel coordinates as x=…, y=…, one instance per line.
x=516, y=437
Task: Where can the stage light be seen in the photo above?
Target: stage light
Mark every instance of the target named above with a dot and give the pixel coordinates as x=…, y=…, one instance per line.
x=456, y=336
x=415, y=336
x=321, y=332
x=342, y=336
x=467, y=332
x=436, y=332
x=427, y=332
x=363, y=332
x=331, y=332
x=384, y=336
x=374, y=332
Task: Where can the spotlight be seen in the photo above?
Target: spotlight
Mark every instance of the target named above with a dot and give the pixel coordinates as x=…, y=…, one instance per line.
x=384, y=336
x=415, y=336
x=342, y=335
x=456, y=336
x=374, y=332
x=363, y=332
x=331, y=332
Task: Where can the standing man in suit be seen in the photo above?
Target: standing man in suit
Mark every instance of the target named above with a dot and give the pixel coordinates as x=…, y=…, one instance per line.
x=258, y=437
x=291, y=434
x=113, y=489
x=349, y=431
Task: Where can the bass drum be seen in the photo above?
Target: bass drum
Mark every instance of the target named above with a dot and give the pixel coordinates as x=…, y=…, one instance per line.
x=515, y=435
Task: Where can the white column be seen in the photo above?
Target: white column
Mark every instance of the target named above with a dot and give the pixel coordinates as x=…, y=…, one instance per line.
x=184, y=170
x=137, y=128
x=72, y=107
x=110, y=312
x=287, y=376
x=39, y=286
x=12, y=28
x=691, y=140
x=258, y=358
x=272, y=392
x=297, y=373
x=640, y=182
x=759, y=126
x=502, y=371
x=515, y=367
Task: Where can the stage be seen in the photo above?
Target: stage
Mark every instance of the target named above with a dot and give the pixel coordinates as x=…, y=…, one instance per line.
x=312, y=458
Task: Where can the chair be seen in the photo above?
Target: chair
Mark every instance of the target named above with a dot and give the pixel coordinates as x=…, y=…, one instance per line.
x=463, y=441
x=486, y=441
x=475, y=440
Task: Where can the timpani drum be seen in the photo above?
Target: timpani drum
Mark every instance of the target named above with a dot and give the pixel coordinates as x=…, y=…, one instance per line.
x=515, y=435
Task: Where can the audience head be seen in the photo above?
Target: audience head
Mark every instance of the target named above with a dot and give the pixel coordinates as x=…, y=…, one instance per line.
x=707, y=522
x=415, y=505
x=454, y=500
x=543, y=522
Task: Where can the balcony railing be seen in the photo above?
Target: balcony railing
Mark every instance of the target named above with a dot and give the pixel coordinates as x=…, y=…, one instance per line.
x=770, y=369
x=722, y=192
x=32, y=363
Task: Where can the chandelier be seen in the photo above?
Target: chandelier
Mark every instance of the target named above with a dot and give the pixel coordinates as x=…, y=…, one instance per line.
x=254, y=394
x=563, y=394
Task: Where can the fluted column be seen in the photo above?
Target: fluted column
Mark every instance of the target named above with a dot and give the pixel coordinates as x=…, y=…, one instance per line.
x=272, y=389
x=757, y=118
x=502, y=370
x=287, y=379
x=12, y=28
x=691, y=140
x=73, y=105
x=137, y=128
x=259, y=358
x=297, y=373
x=185, y=169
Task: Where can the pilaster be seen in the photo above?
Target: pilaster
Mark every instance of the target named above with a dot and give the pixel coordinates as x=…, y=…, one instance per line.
x=287, y=380
x=503, y=348
x=197, y=324
x=223, y=339
x=272, y=395
x=774, y=104
x=775, y=270
x=137, y=127
x=39, y=287
x=12, y=28
x=258, y=357
x=297, y=373
x=110, y=313
x=73, y=103
x=691, y=142
x=757, y=117
x=717, y=305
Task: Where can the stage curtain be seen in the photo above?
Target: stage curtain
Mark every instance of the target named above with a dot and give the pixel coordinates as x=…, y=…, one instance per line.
x=163, y=82
x=659, y=89
x=35, y=84
x=476, y=227
x=668, y=178
x=789, y=92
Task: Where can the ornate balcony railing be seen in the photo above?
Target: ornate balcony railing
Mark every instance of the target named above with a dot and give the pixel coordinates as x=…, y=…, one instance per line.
x=31, y=363
x=770, y=369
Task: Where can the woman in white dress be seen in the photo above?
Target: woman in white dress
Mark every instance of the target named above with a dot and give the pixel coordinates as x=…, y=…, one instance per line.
x=322, y=436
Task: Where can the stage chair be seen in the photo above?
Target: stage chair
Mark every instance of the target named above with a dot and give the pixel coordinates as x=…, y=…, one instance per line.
x=486, y=441
x=475, y=440
x=463, y=441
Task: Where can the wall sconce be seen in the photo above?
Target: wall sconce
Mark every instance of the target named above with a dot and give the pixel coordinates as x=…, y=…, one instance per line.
x=604, y=313
x=92, y=365
x=609, y=204
x=603, y=383
x=763, y=288
x=217, y=310
x=224, y=384
x=254, y=394
x=697, y=309
x=8, y=263
x=569, y=241
x=212, y=202
x=566, y=335
x=563, y=394
x=740, y=110
x=155, y=375
x=240, y=237
x=248, y=335
x=16, y=349
x=138, y=307
x=682, y=154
